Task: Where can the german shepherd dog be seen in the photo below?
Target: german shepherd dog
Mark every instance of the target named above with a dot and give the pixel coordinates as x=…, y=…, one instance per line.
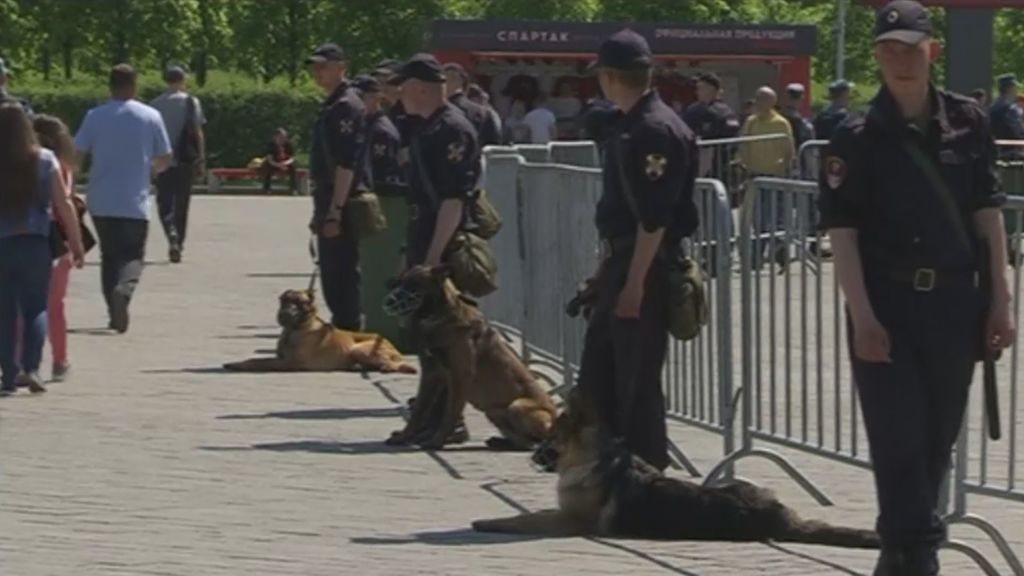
x=308, y=344
x=609, y=492
x=465, y=360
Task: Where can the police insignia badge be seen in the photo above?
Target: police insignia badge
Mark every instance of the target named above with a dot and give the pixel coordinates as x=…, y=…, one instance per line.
x=835, y=172
x=345, y=126
x=655, y=166
x=456, y=150
x=893, y=17
x=379, y=150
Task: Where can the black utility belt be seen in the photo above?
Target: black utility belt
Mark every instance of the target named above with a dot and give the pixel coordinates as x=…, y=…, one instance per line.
x=928, y=279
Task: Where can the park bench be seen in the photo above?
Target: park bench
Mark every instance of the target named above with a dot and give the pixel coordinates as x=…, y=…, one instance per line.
x=217, y=176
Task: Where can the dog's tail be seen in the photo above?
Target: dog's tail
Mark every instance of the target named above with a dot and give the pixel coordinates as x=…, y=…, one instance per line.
x=817, y=532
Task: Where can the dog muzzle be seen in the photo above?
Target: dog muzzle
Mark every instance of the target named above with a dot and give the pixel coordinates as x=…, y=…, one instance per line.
x=545, y=457
x=401, y=302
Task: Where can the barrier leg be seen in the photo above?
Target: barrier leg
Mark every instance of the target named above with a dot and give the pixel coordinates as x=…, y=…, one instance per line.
x=680, y=461
x=781, y=461
x=993, y=533
x=975, y=555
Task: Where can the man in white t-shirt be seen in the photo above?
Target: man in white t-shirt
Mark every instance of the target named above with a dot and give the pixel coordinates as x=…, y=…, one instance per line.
x=542, y=123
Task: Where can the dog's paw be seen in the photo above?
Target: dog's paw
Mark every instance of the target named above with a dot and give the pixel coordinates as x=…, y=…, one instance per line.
x=398, y=438
x=407, y=369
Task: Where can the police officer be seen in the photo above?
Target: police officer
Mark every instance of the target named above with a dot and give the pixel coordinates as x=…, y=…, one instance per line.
x=1007, y=117
x=712, y=119
x=444, y=167
x=336, y=163
x=5, y=96
x=838, y=111
x=456, y=81
x=383, y=141
x=651, y=151
x=803, y=130
x=906, y=193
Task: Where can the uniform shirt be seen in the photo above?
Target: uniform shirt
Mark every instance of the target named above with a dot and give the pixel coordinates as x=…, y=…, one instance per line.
x=339, y=137
x=488, y=134
x=1008, y=124
x=449, y=159
x=767, y=157
x=802, y=130
x=871, y=183
x=173, y=107
x=382, y=161
x=123, y=137
x=658, y=154
x=36, y=221
x=828, y=120
x=712, y=121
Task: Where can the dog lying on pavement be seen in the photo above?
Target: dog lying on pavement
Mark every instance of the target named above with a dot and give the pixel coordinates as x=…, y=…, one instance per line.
x=605, y=491
x=308, y=344
x=465, y=360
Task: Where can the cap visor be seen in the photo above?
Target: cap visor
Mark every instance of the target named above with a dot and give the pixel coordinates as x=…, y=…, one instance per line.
x=397, y=80
x=316, y=60
x=905, y=36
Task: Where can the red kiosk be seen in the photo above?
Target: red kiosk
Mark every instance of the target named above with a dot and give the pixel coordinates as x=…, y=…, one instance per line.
x=504, y=56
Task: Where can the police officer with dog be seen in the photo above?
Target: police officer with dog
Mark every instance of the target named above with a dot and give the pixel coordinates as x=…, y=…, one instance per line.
x=336, y=164
x=646, y=210
x=910, y=198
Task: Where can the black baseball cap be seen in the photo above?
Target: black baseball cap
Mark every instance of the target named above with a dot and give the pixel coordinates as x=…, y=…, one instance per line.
x=366, y=84
x=840, y=87
x=625, y=50
x=1007, y=81
x=326, y=53
x=422, y=66
x=903, y=21
x=711, y=79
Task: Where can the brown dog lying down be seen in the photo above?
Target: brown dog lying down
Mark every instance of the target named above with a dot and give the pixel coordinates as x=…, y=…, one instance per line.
x=464, y=360
x=612, y=493
x=308, y=344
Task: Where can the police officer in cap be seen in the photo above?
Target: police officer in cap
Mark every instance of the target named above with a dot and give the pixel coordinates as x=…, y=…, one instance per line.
x=336, y=165
x=646, y=210
x=1007, y=117
x=837, y=112
x=907, y=193
x=383, y=141
x=712, y=119
x=803, y=130
x=5, y=96
x=456, y=81
x=444, y=168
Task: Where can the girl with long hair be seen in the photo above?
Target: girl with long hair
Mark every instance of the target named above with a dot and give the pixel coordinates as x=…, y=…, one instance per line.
x=30, y=184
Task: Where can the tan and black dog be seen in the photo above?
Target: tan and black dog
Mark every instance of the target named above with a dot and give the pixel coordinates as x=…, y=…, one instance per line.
x=308, y=344
x=465, y=360
x=605, y=491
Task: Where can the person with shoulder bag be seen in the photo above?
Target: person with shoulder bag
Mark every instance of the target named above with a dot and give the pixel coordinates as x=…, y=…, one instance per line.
x=32, y=189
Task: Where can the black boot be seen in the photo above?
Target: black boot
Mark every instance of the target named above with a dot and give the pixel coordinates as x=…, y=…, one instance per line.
x=890, y=563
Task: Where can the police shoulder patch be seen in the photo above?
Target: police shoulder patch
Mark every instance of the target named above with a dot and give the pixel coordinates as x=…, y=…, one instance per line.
x=456, y=151
x=656, y=164
x=835, y=172
x=346, y=126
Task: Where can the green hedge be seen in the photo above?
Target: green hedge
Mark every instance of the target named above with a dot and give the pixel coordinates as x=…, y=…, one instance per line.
x=240, y=119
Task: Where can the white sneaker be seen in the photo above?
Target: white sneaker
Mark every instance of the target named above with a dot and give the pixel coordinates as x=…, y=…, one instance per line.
x=34, y=383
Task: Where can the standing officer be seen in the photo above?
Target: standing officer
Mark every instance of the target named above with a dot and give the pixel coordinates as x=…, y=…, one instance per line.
x=906, y=194
x=444, y=167
x=456, y=81
x=336, y=161
x=1007, y=117
x=803, y=130
x=383, y=141
x=837, y=112
x=712, y=119
x=652, y=152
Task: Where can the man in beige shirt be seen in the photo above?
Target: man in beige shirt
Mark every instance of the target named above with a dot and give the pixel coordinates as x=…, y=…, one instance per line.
x=769, y=157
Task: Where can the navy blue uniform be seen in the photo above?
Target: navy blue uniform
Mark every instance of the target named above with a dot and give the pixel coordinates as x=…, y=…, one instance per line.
x=384, y=144
x=448, y=156
x=826, y=123
x=652, y=148
x=715, y=121
x=339, y=141
x=1008, y=124
x=488, y=131
x=920, y=277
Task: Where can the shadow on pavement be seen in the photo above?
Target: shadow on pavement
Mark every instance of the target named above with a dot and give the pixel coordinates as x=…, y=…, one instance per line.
x=257, y=327
x=325, y=414
x=100, y=331
x=265, y=335
x=205, y=370
x=456, y=537
x=815, y=559
x=277, y=275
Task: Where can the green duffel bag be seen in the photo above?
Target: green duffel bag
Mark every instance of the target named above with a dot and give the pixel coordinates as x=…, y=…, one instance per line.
x=486, y=216
x=474, y=269
x=688, y=301
x=366, y=217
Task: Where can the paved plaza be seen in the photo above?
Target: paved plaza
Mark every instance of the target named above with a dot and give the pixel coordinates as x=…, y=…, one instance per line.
x=151, y=460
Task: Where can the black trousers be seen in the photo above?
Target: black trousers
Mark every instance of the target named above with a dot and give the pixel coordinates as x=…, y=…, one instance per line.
x=173, y=197
x=269, y=171
x=122, y=244
x=622, y=361
x=341, y=279
x=914, y=406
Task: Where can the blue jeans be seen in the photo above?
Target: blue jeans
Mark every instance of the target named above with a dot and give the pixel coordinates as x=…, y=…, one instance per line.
x=25, y=264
